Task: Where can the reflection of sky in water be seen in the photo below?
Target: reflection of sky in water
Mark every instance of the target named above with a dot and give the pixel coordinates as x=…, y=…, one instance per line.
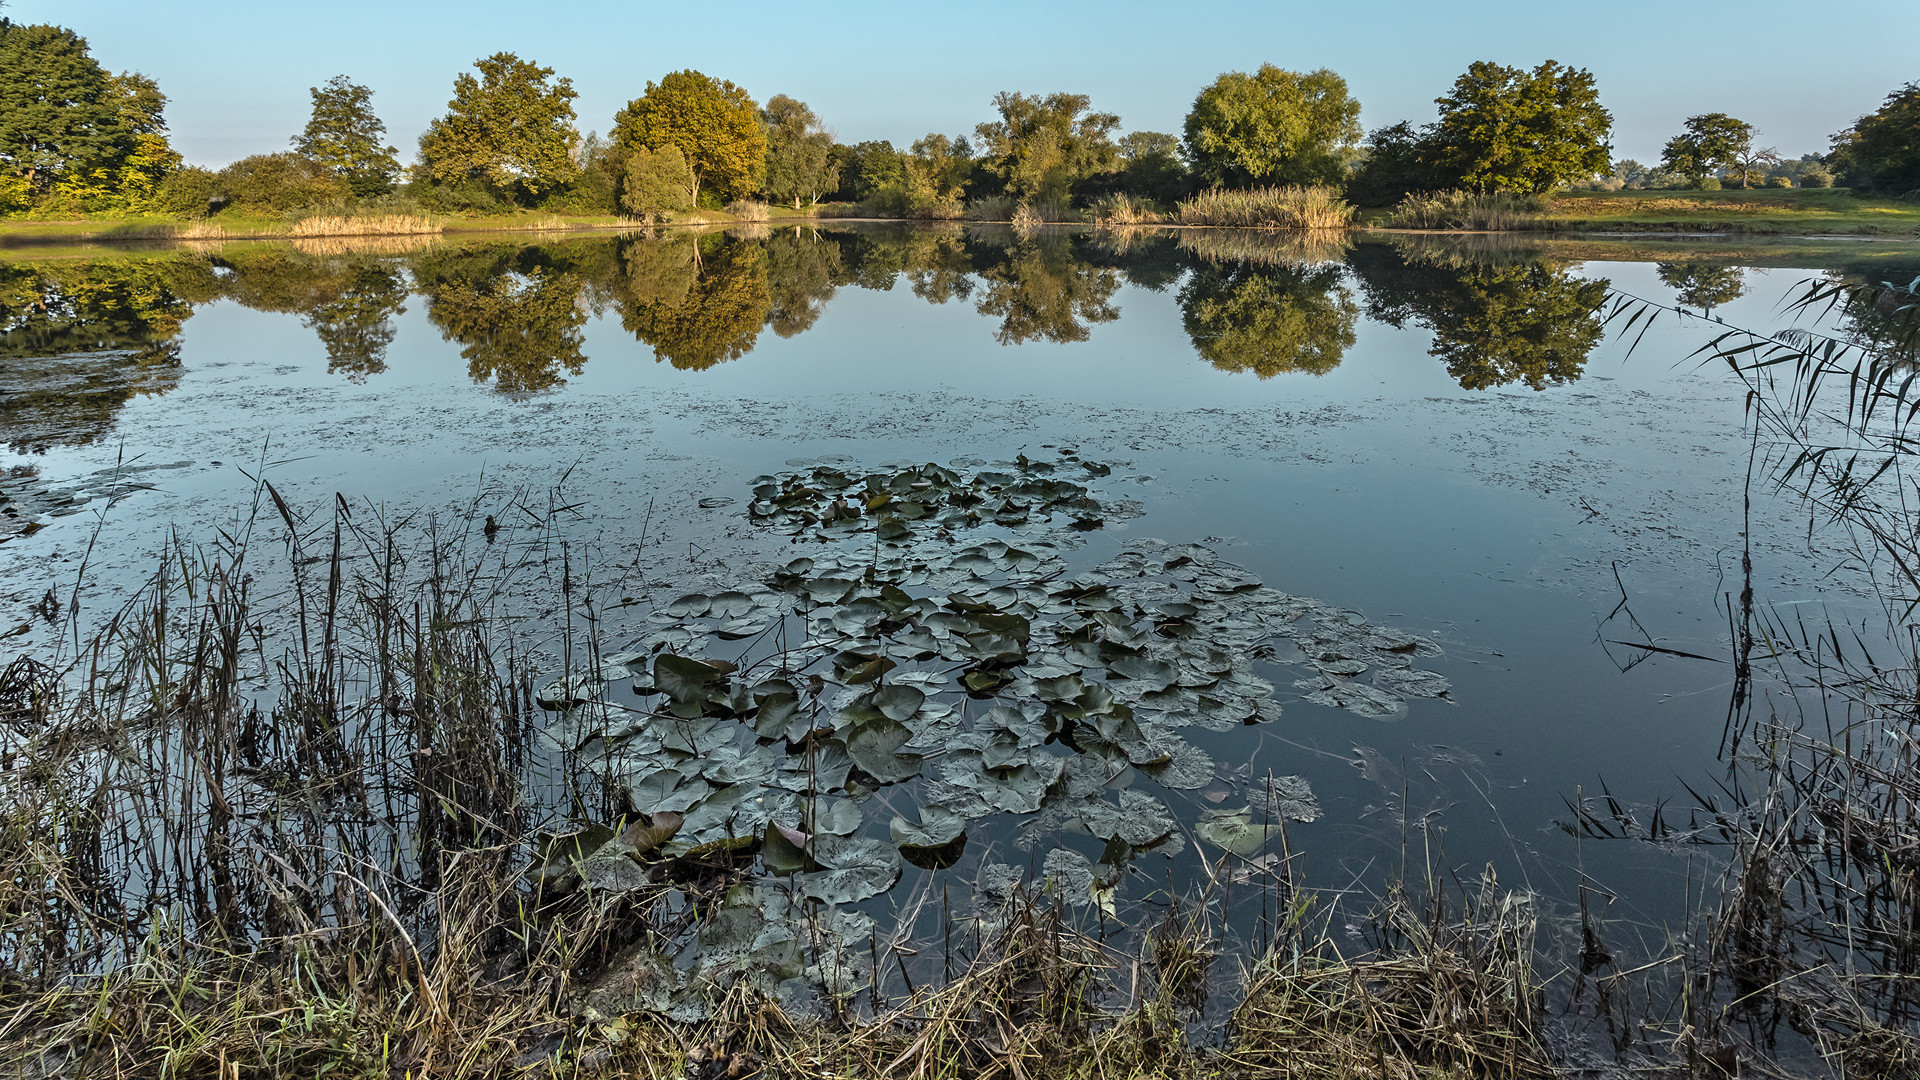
x=1492, y=521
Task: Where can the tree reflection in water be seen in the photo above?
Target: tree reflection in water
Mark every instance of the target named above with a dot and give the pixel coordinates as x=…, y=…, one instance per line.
x=81, y=339
x=1243, y=317
x=515, y=312
x=699, y=301
x=1703, y=285
x=1494, y=324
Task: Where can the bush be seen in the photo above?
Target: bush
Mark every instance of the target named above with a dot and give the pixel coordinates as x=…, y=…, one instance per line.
x=279, y=183
x=1488, y=210
x=1268, y=208
x=1707, y=183
x=1818, y=178
x=190, y=192
x=1779, y=181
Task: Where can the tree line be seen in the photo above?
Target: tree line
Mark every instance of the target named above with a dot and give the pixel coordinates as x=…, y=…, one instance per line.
x=76, y=138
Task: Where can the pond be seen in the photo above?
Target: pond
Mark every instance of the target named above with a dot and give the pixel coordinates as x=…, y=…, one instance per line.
x=1099, y=560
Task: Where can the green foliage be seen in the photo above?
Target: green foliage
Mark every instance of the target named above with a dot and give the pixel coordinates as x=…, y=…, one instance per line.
x=278, y=184
x=1041, y=146
x=188, y=192
x=345, y=135
x=712, y=122
x=1508, y=129
x=1881, y=151
x=1274, y=127
x=1043, y=291
x=655, y=183
x=510, y=129
x=800, y=159
x=1816, y=178
x=1245, y=318
x=1398, y=160
x=1710, y=141
x=60, y=114
x=872, y=166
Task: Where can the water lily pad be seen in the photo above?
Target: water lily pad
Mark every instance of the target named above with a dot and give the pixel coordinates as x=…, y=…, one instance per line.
x=1069, y=875
x=833, y=817
x=875, y=747
x=851, y=869
x=937, y=827
x=1140, y=820
x=1234, y=830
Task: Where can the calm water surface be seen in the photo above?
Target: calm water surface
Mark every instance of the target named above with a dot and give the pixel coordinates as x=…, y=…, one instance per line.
x=1444, y=440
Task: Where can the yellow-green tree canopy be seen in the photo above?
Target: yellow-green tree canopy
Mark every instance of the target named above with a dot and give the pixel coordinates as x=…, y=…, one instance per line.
x=1707, y=142
x=712, y=122
x=346, y=135
x=1273, y=127
x=511, y=128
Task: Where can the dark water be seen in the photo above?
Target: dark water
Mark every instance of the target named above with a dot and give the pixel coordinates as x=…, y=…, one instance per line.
x=1445, y=440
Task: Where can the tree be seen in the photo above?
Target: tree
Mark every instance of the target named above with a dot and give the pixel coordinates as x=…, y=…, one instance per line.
x=872, y=165
x=511, y=129
x=344, y=134
x=1040, y=146
x=1151, y=166
x=1708, y=142
x=60, y=114
x=656, y=182
x=712, y=122
x=1274, y=127
x=1399, y=159
x=1882, y=149
x=799, y=152
x=1507, y=129
x=278, y=183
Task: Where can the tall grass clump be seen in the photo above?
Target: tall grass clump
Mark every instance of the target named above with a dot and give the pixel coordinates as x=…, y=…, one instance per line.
x=1123, y=211
x=1471, y=210
x=367, y=225
x=749, y=210
x=1268, y=208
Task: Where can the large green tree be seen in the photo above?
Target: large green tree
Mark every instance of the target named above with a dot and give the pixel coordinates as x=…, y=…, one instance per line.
x=799, y=152
x=511, y=128
x=712, y=122
x=1707, y=142
x=655, y=182
x=1274, y=127
x=60, y=113
x=347, y=136
x=1040, y=146
x=1882, y=149
x=1508, y=129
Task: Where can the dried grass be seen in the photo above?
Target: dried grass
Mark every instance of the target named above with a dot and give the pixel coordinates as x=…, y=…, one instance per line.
x=1269, y=208
x=364, y=225
x=1487, y=211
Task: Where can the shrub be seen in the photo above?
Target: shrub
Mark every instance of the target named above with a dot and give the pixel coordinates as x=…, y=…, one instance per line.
x=1779, y=181
x=1819, y=178
x=1268, y=208
x=1026, y=217
x=1488, y=210
x=279, y=183
x=1707, y=183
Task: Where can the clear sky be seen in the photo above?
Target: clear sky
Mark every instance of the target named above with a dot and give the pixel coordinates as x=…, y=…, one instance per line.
x=237, y=73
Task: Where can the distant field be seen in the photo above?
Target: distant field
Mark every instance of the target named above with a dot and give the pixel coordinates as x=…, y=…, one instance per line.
x=1775, y=210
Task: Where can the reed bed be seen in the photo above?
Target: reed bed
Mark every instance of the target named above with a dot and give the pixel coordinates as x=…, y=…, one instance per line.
x=330, y=225
x=1485, y=211
x=1289, y=207
x=749, y=210
x=1125, y=211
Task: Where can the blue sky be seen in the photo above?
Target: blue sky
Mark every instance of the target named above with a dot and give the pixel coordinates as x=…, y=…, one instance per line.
x=238, y=73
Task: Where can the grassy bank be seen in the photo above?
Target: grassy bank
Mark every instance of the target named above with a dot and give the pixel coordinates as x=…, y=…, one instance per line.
x=1814, y=211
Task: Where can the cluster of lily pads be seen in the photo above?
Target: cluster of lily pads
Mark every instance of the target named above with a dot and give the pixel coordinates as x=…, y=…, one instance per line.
x=866, y=704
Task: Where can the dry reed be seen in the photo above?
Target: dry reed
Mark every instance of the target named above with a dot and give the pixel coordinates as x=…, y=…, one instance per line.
x=1269, y=208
